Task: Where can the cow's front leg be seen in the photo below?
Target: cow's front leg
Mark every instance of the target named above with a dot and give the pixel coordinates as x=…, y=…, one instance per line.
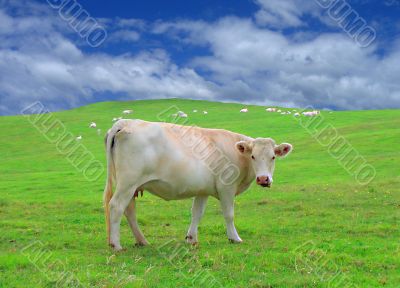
x=226, y=199
x=199, y=205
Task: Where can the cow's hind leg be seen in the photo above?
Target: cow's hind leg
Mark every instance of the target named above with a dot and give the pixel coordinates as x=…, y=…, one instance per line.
x=118, y=204
x=199, y=205
x=130, y=213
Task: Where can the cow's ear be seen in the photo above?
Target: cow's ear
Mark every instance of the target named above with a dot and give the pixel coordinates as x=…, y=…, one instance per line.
x=283, y=149
x=244, y=146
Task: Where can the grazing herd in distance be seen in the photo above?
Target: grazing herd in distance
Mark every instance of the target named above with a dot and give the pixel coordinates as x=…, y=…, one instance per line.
x=182, y=114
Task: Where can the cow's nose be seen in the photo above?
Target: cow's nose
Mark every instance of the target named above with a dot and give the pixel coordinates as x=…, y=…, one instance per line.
x=263, y=181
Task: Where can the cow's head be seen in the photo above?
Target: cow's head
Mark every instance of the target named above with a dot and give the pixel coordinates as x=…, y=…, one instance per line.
x=262, y=153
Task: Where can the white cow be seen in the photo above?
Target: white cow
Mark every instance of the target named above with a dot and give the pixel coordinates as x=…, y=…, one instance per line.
x=182, y=114
x=127, y=112
x=177, y=162
x=244, y=110
x=311, y=113
x=92, y=125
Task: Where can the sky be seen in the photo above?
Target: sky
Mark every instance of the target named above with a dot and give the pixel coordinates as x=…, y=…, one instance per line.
x=327, y=54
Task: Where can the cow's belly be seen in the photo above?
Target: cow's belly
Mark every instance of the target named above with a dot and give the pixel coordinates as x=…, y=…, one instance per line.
x=175, y=190
x=181, y=179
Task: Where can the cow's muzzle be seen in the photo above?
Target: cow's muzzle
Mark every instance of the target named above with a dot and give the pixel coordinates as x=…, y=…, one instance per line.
x=263, y=181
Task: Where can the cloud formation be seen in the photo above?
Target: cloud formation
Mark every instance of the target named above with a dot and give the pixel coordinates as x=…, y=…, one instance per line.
x=39, y=62
x=246, y=60
x=327, y=71
x=283, y=14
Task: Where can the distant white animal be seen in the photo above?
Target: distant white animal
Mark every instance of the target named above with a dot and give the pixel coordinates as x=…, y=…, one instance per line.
x=244, y=110
x=296, y=114
x=79, y=138
x=194, y=111
x=127, y=111
x=270, y=109
x=182, y=114
x=92, y=125
x=311, y=113
x=205, y=112
x=279, y=111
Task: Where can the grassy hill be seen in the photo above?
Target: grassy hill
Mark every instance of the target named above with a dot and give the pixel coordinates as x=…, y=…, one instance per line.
x=317, y=226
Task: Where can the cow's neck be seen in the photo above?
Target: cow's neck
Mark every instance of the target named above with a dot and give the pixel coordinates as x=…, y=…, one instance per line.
x=251, y=175
x=247, y=178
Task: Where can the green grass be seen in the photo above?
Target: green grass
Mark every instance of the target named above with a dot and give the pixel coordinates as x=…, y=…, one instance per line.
x=314, y=223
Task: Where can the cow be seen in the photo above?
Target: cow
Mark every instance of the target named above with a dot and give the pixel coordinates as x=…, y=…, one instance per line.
x=244, y=110
x=176, y=162
x=311, y=113
x=182, y=114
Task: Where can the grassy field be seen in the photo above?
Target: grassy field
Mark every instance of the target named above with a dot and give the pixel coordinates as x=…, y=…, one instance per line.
x=316, y=227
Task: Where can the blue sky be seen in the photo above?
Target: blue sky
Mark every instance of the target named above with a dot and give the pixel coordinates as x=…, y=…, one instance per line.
x=267, y=52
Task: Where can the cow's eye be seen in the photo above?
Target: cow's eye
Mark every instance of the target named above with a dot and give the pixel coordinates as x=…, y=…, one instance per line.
x=252, y=157
x=273, y=158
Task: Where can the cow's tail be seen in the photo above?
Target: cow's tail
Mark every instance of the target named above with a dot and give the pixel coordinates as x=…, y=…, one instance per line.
x=108, y=192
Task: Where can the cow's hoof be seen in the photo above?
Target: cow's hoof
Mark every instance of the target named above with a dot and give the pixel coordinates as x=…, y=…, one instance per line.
x=191, y=240
x=141, y=243
x=116, y=248
x=237, y=241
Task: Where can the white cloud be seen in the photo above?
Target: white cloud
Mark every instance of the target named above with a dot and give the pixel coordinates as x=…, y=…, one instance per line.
x=283, y=14
x=124, y=35
x=70, y=81
x=131, y=23
x=327, y=70
x=124, y=29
